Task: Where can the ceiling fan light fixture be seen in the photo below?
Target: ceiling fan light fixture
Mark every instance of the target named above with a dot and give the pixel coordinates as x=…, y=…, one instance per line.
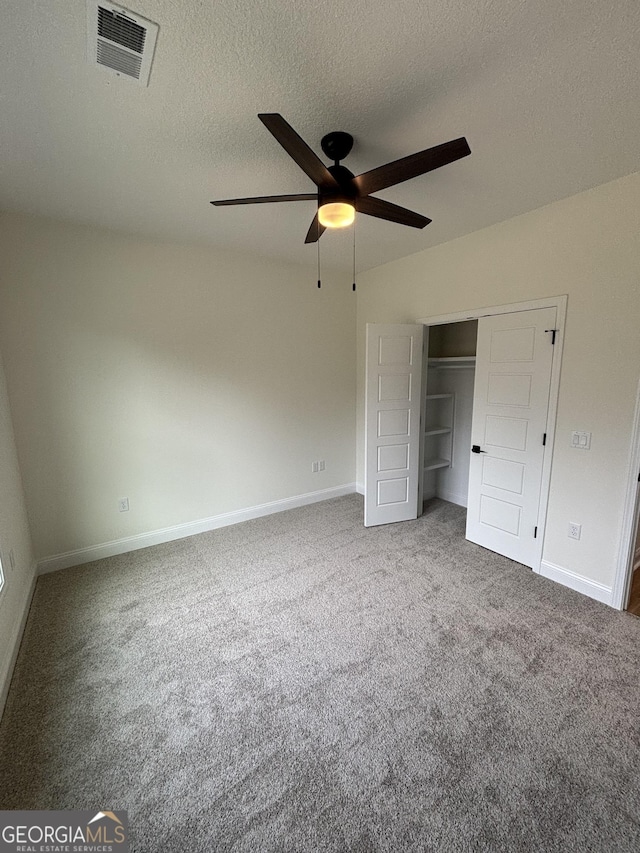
x=336, y=214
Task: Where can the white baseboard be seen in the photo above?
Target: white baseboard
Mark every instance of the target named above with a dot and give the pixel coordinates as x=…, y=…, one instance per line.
x=428, y=494
x=460, y=499
x=360, y=488
x=181, y=531
x=14, y=644
x=567, y=578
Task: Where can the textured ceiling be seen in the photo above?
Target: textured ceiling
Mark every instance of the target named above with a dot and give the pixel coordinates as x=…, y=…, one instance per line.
x=546, y=93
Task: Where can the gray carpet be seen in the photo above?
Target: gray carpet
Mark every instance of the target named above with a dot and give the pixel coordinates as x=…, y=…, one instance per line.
x=300, y=683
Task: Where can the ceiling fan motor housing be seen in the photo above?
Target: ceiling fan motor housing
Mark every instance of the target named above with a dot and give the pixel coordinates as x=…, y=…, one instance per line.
x=337, y=145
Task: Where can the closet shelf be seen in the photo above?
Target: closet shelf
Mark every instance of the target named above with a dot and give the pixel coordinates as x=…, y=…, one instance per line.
x=439, y=396
x=437, y=430
x=431, y=464
x=453, y=362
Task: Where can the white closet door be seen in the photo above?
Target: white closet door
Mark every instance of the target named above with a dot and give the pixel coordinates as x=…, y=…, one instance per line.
x=510, y=406
x=392, y=422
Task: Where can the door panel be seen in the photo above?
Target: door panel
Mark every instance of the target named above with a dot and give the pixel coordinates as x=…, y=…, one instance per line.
x=502, y=474
x=506, y=433
x=393, y=457
x=392, y=422
x=500, y=514
x=509, y=389
x=394, y=387
x=510, y=406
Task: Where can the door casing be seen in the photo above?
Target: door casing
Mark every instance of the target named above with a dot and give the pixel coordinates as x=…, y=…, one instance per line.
x=624, y=566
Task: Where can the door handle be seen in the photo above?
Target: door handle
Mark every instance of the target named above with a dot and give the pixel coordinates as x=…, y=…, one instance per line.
x=476, y=449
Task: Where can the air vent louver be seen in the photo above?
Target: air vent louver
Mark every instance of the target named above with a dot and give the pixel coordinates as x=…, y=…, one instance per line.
x=118, y=60
x=120, y=41
x=121, y=29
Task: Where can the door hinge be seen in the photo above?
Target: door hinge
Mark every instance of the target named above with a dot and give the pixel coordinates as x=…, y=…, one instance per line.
x=535, y=532
x=544, y=439
x=553, y=335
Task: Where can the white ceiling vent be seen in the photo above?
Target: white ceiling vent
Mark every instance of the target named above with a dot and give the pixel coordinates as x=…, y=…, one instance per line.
x=120, y=41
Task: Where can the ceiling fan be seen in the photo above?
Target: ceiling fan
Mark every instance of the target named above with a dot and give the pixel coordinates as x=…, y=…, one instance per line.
x=340, y=193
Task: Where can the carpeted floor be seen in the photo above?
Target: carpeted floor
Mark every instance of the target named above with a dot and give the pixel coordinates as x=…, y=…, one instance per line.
x=300, y=683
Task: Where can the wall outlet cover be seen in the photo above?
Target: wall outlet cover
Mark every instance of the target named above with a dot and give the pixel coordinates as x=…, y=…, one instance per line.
x=581, y=440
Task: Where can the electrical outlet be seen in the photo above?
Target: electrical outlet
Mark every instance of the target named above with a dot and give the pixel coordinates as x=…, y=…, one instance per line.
x=575, y=530
x=123, y=504
x=314, y=467
x=321, y=465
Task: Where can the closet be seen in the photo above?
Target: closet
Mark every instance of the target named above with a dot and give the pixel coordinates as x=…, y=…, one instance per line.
x=448, y=408
x=461, y=411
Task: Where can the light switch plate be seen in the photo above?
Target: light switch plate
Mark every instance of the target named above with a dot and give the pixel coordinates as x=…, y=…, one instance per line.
x=581, y=440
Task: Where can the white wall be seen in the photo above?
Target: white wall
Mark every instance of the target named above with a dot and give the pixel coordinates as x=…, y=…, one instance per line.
x=14, y=536
x=588, y=247
x=192, y=382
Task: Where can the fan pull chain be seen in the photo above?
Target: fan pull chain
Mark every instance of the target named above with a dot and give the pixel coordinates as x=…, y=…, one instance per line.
x=318, y=245
x=354, y=253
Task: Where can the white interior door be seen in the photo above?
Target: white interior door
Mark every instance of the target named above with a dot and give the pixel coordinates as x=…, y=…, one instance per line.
x=510, y=407
x=392, y=422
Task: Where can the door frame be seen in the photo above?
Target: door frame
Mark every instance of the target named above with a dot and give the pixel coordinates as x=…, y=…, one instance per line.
x=560, y=304
x=624, y=563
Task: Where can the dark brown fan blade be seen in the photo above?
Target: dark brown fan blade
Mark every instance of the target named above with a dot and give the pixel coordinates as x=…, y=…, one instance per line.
x=411, y=166
x=392, y=212
x=316, y=230
x=265, y=199
x=298, y=149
